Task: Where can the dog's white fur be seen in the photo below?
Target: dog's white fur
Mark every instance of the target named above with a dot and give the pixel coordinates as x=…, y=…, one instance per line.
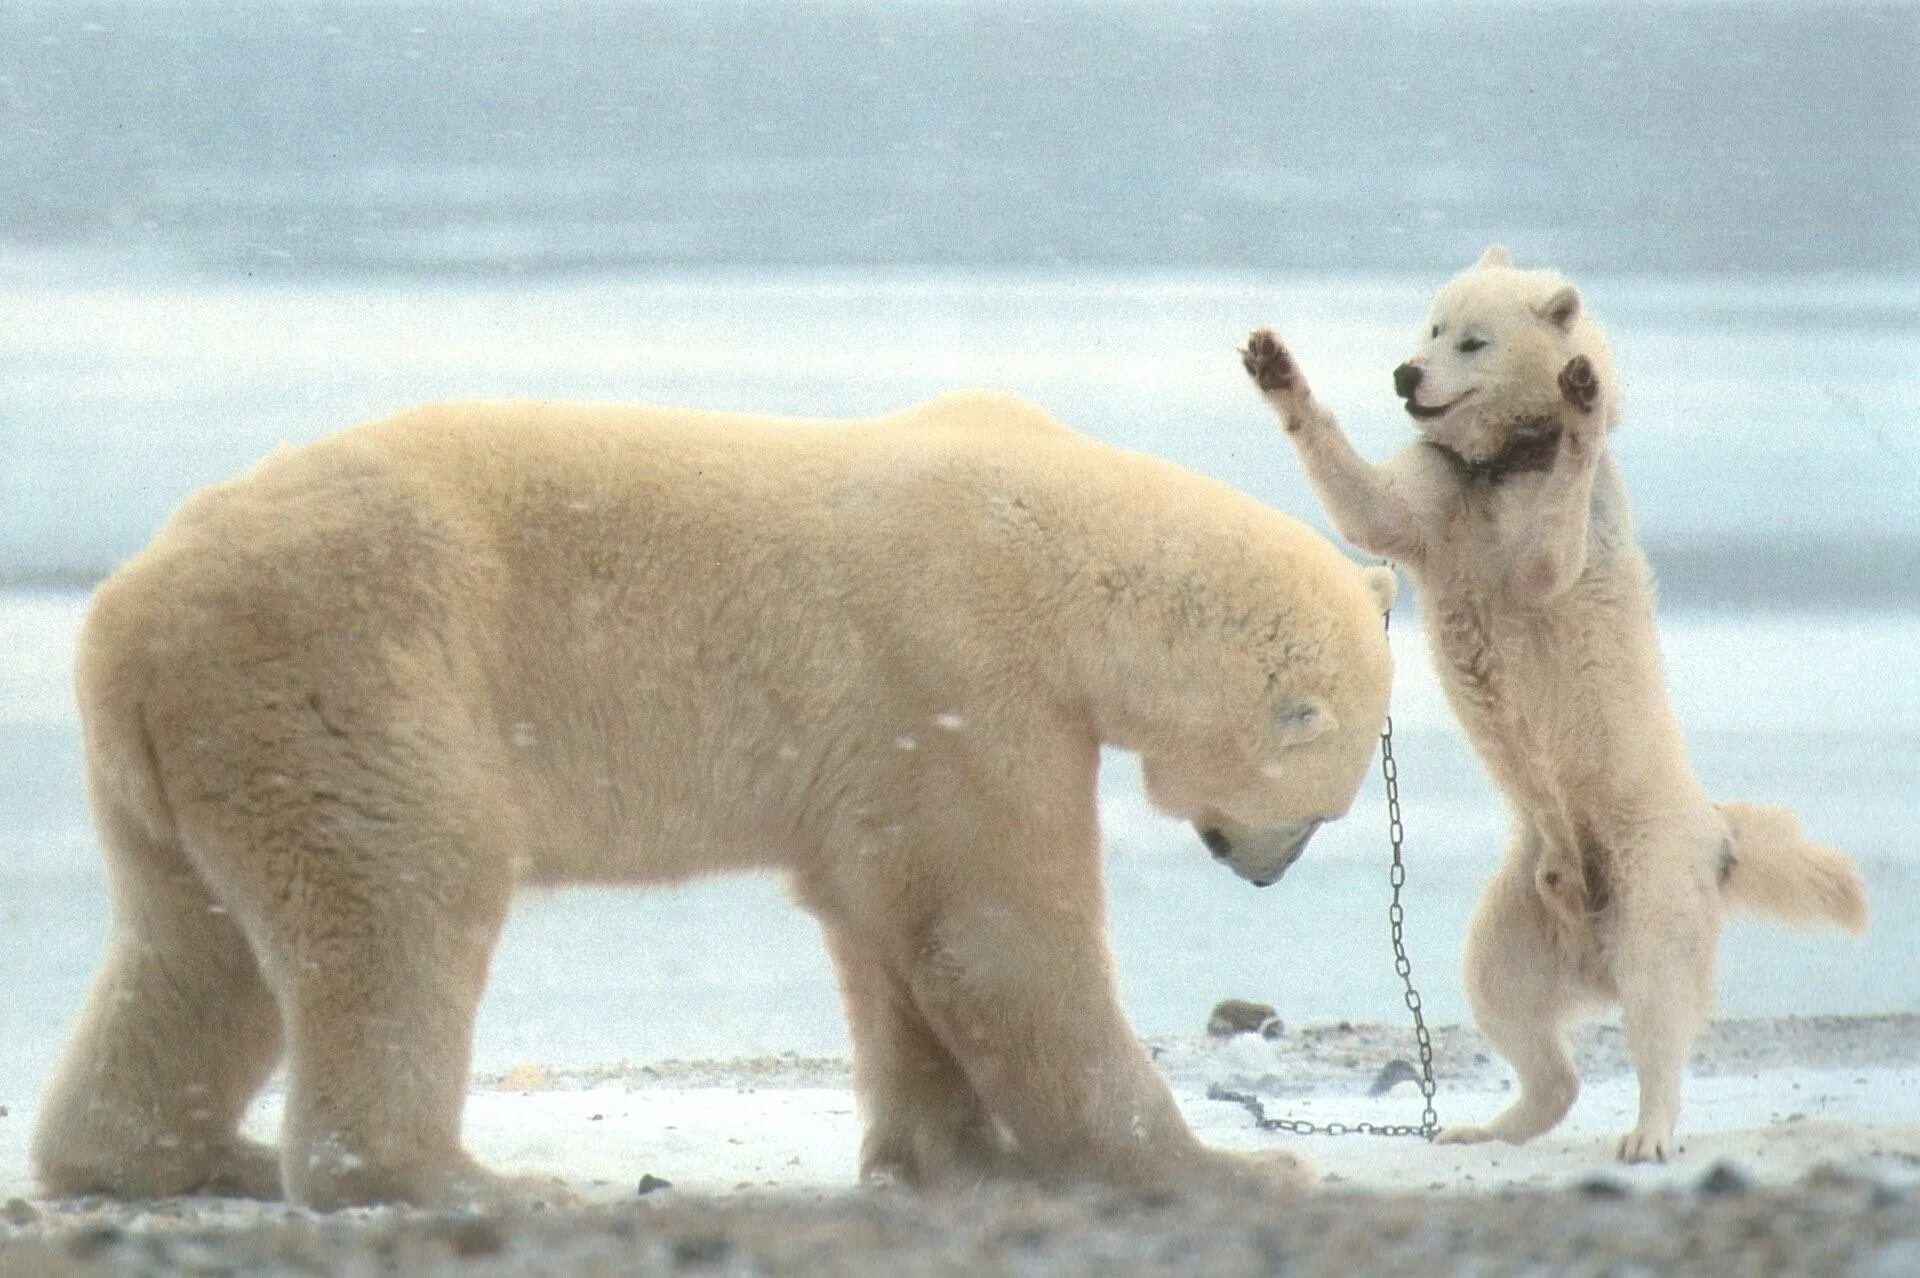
x=341, y=706
x=1512, y=521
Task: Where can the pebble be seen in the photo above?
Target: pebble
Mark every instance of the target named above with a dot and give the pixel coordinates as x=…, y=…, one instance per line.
x=651, y=1183
x=1723, y=1179
x=1602, y=1187
x=1239, y=1016
x=473, y=1236
x=1391, y=1075
x=19, y=1211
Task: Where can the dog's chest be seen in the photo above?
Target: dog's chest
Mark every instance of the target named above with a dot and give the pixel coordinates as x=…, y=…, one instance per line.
x=1491, y=662
x=1462, y=631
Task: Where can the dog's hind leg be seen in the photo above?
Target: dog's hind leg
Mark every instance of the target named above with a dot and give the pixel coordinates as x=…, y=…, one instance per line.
x=1669, y=927
x=1522, y=991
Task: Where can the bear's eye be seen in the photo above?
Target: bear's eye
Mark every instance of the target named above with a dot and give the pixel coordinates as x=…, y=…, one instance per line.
x=1469, y=345
x=1436, y=330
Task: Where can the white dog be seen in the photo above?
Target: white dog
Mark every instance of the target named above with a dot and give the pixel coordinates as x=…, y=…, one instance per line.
x=1512, y=520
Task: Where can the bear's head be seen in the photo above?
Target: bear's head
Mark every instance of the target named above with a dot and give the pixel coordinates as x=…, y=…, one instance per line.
x=1286, y=740
x=1490, y=357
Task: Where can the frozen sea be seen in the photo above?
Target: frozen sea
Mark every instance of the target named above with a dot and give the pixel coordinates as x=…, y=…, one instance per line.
x=1768, y=443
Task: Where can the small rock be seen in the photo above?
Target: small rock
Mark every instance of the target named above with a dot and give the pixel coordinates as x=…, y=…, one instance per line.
x=700, y=1249
x=650, y=1183
x=473, y=1236
x=1602, y=1187
x=1832, y=1178
x=1723, y=1179
x=19, y=1211
x=1238, y=1016
x=94, y=1239
x=1391, y=1075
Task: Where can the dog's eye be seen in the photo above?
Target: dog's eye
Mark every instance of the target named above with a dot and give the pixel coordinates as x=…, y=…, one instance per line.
x=1469, y=345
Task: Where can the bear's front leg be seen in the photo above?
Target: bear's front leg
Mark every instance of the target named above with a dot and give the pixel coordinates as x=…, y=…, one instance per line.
x=926, y=1127
x=1020, y=989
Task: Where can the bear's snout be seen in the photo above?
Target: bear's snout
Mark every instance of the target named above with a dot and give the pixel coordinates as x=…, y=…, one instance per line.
x=1406, y=380
x=1258, y=856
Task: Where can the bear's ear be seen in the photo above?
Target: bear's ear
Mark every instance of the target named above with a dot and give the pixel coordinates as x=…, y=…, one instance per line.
x=1383, y=584
x=1300, y=720
x=1496, y=255
x=1562, y=309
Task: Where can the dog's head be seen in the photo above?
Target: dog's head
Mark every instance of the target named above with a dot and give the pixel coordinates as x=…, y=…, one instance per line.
x=1491, y=355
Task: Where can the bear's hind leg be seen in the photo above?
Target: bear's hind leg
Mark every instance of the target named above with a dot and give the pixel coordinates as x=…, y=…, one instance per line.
x=925, y=1125
x=178, y=1032
x=374, y=893
x=384, y=977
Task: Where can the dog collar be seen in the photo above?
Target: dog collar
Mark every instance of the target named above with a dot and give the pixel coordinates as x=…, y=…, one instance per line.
x=1531, y=447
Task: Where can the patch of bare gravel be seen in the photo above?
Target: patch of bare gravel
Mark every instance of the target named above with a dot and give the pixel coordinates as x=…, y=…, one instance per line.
x=1829, y=1224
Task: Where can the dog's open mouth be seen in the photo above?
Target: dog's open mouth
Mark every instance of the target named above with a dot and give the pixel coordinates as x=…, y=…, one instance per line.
x=1426, y=414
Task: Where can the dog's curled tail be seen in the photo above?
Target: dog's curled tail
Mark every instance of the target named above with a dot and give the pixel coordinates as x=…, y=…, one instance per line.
x=1777, y=870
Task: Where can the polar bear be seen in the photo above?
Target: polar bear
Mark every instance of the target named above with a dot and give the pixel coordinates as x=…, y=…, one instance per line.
x=1512, y=520
x=343, y=705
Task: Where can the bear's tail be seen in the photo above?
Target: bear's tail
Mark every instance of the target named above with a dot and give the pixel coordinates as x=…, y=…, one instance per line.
x=1776, y=870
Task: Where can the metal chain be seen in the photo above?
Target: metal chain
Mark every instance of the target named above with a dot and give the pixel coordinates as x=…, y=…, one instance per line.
x=1429, y=1125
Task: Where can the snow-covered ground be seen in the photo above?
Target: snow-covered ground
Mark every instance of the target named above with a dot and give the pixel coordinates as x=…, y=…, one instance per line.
x=1776, y=1097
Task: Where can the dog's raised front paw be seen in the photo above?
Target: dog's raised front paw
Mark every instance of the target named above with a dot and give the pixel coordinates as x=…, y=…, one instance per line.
x=1268, y=363
x=1579, y=385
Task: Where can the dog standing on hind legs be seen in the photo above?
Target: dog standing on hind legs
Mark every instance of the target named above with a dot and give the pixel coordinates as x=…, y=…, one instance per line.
x=1511, y=519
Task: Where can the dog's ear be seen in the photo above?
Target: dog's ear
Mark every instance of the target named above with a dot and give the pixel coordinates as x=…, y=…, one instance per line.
x=1383, y=584
x=1300, y=720
x=1496, y=255
x=1562, y=309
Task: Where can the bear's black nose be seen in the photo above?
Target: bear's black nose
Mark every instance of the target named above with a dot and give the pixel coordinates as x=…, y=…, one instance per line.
x=1406, y=380
x=1217, y=843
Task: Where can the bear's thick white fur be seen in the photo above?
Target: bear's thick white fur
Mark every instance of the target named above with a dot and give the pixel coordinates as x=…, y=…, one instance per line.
x=342, y=706
x=1511, y=518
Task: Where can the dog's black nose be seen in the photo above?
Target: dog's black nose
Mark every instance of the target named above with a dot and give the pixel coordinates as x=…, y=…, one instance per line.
x=1406, y=380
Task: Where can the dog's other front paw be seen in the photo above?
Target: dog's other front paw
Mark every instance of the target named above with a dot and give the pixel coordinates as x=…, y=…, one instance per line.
x=1579, y=385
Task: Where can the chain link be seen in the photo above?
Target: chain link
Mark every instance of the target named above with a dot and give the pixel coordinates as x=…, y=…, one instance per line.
x=1429, y=1125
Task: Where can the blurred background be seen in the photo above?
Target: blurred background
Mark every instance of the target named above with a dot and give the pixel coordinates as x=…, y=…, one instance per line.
x=233, y=223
